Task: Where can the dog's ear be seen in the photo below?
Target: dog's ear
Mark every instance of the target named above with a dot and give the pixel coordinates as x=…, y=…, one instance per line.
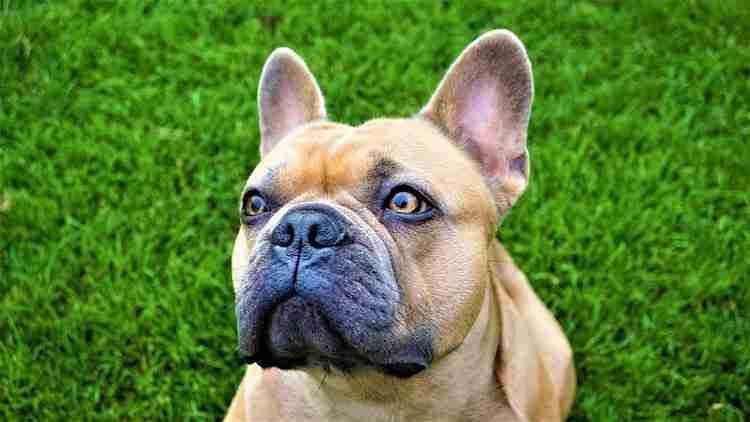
x=483, y=103
x=288, y=97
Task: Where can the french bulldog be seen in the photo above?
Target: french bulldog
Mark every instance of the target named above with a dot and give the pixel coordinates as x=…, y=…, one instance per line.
x=369, y=283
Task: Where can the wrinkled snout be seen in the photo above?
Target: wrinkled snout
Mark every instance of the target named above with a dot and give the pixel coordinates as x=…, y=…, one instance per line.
x=321, y=289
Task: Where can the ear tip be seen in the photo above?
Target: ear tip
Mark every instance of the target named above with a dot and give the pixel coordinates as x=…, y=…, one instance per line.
x=283, y=59
x=501, y=37
x=504, y=39
x=281, y=54
x=501, y=33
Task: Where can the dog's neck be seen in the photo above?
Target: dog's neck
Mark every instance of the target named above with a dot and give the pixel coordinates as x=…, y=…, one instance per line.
x=465, y=378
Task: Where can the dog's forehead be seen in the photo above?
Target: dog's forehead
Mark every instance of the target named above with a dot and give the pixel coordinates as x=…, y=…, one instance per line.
x=327, y=156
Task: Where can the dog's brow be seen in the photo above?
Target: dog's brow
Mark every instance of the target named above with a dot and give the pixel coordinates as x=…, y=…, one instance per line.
x=267, y=179
x=383, y=169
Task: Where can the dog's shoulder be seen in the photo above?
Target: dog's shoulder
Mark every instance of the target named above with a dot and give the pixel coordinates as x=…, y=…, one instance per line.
x=545, y=331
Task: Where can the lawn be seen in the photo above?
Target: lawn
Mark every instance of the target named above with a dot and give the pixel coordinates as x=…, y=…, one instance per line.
x=127, y=130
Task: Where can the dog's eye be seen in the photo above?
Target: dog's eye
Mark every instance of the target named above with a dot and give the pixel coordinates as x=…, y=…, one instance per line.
x=405, y=201
x=254, y=205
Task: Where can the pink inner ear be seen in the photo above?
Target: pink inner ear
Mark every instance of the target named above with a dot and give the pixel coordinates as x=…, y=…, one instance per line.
x=481, y=124
x=284, y=111
x=290, y=109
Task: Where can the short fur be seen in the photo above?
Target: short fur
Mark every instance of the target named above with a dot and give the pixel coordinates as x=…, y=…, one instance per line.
x=497, y=352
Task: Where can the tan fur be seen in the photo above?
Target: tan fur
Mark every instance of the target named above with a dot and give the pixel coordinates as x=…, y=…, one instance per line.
x=499, y=354
x=330, y=161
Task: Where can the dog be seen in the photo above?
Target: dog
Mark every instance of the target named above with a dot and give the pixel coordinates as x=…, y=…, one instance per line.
x=369, y=283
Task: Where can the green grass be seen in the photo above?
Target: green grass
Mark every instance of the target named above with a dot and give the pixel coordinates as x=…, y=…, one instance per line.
x=127, y=131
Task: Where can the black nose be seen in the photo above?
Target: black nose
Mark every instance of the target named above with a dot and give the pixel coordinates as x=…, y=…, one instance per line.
x=316, y=225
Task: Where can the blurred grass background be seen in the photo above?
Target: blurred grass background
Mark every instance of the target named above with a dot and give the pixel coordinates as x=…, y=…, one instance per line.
x=128, y=128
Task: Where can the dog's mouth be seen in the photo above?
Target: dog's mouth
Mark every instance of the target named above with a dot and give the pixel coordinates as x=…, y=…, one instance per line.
x=295, y=335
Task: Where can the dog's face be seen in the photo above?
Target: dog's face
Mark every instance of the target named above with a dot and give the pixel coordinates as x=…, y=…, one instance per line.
x=367, y=246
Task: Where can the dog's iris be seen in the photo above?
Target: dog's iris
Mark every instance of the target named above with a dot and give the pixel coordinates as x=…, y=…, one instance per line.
x=405, y=202
x=255, y=205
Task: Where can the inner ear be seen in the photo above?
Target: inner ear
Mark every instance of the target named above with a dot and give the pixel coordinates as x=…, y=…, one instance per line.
x=288, y=97
x=483, y=104
x=479, y=122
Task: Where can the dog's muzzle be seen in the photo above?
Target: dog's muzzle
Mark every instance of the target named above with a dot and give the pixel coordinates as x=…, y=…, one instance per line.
x=321, y=289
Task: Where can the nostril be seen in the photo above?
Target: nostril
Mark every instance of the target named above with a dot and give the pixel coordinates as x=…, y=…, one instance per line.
x=312, y=235
x=319, y=237
x=326, y=234
x=283, y=235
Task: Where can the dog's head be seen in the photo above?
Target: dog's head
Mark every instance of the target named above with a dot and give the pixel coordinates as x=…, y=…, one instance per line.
x=368, y=245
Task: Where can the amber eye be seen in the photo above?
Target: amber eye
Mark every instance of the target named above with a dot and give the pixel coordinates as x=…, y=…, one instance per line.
x=255, y=205
x=405, y=202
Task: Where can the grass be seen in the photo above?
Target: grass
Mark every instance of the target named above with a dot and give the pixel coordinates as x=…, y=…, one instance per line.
x=127, y=130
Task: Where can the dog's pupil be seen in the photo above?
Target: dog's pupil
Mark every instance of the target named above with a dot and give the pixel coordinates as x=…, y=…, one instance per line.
x=256, y=204
x=402, y=200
